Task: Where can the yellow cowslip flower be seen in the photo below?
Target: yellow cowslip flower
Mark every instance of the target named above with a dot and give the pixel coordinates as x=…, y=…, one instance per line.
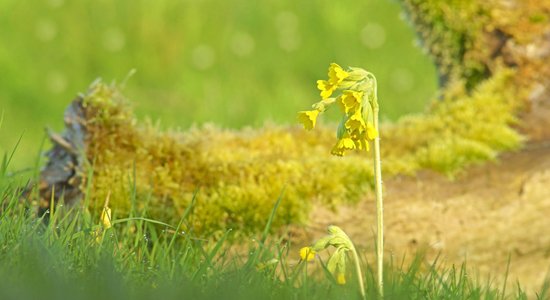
x=308, y=118
x=336, y=74
x=307, y=254
x=371, y=132
x=355, y=122
x=350, y=101
x=359, y=137
x=355, y=91
x=326, y=88
x=106, y=218
x=362, y=144
x=341, y=278
x=335, y=77
x=345, y=143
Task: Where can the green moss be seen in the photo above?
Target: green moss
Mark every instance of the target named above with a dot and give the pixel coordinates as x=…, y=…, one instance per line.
x=470, y=39
x=462, y=128
x=451, y=32
x=538, y=18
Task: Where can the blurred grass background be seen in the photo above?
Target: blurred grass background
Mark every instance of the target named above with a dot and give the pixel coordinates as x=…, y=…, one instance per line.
x=234, y=63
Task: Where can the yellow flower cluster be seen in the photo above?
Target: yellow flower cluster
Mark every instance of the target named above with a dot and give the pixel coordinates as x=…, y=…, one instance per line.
x=357, y=98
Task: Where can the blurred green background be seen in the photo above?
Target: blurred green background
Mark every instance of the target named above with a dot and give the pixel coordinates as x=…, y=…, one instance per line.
x=231, y=62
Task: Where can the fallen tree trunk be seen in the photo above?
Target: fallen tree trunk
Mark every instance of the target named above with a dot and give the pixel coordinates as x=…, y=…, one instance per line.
x=240, y=174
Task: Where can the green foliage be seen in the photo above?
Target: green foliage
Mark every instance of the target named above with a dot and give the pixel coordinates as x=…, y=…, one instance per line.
x=72, y=257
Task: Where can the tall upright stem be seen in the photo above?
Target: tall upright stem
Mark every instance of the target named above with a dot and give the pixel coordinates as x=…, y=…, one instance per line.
x=379, y=201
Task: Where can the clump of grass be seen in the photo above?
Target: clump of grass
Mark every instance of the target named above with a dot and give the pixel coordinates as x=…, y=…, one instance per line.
x=135, y=259
x=76, y=256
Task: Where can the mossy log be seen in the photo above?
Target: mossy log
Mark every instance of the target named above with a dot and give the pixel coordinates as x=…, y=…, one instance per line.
x=492, y=56
x=471, y=40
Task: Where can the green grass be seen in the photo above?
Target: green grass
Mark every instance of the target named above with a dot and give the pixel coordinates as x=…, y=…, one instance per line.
x=234, y=63
x=72, y=257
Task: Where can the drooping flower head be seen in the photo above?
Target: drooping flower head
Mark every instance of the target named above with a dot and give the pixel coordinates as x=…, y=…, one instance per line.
x=337, y=261
x=357, y=99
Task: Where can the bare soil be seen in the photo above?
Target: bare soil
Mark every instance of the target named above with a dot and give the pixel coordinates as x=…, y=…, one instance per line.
x=485, y=216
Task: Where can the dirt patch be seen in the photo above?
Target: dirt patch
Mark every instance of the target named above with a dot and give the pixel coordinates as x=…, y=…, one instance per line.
x=486, y=215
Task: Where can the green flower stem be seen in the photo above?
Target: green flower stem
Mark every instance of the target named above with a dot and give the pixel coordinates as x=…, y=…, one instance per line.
x=379, y=200
x=359, y=273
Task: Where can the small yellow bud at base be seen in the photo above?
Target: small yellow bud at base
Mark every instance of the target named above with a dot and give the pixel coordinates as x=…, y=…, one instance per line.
x=307, y=254
x=106, y=218
x=341, y=279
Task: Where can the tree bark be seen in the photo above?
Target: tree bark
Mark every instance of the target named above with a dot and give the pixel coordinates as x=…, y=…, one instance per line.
x=61, y=178
x=468, y=40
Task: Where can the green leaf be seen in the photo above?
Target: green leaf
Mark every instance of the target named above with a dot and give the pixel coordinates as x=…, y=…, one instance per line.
x=322, y=243
x=333, y=261
x=341, y=127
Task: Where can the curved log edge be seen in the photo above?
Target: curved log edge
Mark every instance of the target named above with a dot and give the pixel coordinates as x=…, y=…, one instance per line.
x=61, y=178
